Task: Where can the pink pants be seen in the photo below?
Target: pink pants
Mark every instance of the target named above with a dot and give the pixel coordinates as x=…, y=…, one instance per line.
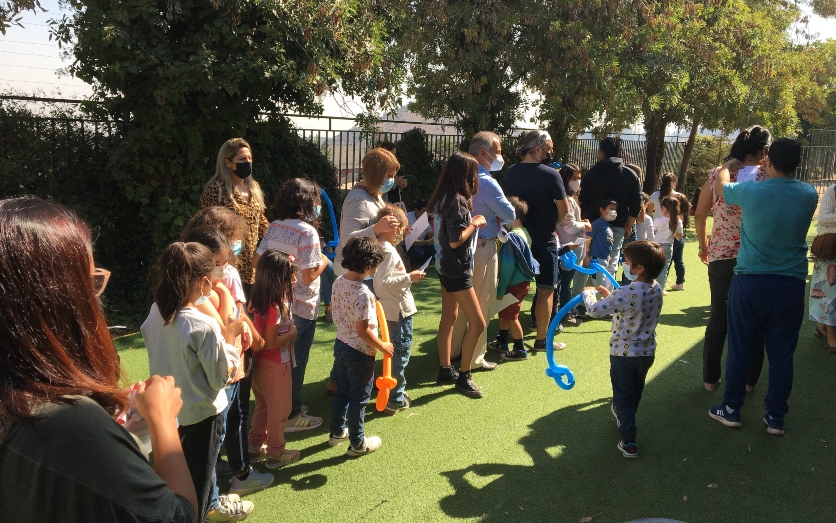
x=271, y=385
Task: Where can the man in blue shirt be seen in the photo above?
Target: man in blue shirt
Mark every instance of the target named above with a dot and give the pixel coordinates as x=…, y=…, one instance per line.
x=767, y=293
x=490, y=202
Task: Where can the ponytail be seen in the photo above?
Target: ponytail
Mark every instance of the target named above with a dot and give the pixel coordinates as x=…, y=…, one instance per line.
x=531, y=141
x=180, y=264
x=750, y=142
x=672, y=206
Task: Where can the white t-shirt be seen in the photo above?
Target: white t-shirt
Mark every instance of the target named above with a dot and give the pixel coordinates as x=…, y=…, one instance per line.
x=232, y=281
x=352, y=301
x=301, y=240
x=644, y=230
x=662, y=229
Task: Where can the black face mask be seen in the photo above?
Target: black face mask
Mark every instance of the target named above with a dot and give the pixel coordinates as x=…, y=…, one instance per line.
x=548, y=160
x=243, y=169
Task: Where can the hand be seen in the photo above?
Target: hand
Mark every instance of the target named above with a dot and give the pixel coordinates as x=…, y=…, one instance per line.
x=704, y=256
x=586, y=260
x=235, y=328
x=386, y=224
x=587, y=226
x=733, y=164
x=400, y=181
x=593, y=289
x=158, y=400
x=246, y=337
x=479, y=221
x=603, y=291
x=387, y=348
x=416, y=276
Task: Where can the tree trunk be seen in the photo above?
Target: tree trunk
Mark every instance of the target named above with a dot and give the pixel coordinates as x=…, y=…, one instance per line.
x=686, y=156
x=655, y=124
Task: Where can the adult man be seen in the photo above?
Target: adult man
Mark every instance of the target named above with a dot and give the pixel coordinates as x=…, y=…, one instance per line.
x=490, y=202
x=609, y=179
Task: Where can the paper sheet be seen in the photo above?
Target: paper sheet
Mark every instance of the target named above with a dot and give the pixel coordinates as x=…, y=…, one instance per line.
x=746, y=174
x=508, y=299
x=418, y=228
x=423, y=268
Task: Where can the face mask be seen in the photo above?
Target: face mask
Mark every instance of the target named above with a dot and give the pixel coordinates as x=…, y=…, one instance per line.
x=218, y=274
x=317, y=211
x=548, y=160
x=627, y=274
x=202, y=299
x=497, y=163
x=236, y=247
x=243, y=169
x=575, y=185
x=388, y=183
x=398, y=239
x=611, y=215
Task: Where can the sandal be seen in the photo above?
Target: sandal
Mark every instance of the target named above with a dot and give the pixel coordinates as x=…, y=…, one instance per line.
x=819, y=334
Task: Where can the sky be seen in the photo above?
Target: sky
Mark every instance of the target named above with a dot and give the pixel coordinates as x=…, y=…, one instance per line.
x=31, y=64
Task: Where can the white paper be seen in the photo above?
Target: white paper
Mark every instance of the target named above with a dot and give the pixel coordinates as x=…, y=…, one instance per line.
x=508, y=299
x=582, y=242
x=423, y=268
x=418, y=229
x=747, y=174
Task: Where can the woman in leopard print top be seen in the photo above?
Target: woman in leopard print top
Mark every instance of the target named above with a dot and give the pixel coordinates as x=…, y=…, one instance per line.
x=234, y=187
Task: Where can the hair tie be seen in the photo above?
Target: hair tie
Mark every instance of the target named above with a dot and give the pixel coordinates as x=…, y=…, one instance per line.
x=291, y=258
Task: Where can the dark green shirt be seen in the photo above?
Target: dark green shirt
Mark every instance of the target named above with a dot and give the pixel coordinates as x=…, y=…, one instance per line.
x=77, y=464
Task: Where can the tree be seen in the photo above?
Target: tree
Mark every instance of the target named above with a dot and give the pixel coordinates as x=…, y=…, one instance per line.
x=187, y=75
x=10, y=12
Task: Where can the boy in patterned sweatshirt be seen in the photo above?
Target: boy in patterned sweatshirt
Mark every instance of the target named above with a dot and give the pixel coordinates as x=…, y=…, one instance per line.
x=635, y=309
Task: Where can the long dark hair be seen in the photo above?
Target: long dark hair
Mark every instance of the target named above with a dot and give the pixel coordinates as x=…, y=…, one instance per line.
x=671, y=205
x=53, y=335
x=668, y=183
x=459, y=177
x=296, y=200
x=180, y=265
x=210, y=237
x=750, y=141
x=566, y=173
x=684, y=209
x=273, y=283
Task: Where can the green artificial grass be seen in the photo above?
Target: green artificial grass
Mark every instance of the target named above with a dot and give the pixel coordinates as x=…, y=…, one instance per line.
x=529, y=451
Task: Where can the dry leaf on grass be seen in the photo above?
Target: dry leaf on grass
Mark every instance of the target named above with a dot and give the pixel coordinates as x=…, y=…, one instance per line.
x=587, y=519
x=712, y=485
x=520, y=508
x=684, y=498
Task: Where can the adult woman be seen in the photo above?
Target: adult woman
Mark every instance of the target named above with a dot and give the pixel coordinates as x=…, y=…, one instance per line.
x=568, y=231
x=666, y=189
x=233, y=187
x=60, y=387
x=364, y=200
x=719, y=252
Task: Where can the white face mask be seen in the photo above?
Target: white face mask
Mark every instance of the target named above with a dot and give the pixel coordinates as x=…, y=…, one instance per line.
x=627, y=274
x=574, y=185
x=202, y=299
x=218, y=274
x=611, y=215
x=497, y=163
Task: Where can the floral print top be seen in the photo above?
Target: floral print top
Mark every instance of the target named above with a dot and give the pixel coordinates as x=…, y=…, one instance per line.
x=352, y=301
x=724, y=241
x=252, y=214
x=635, y=309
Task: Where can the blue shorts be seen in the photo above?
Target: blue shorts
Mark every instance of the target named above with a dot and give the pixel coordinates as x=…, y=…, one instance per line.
x=546, y=256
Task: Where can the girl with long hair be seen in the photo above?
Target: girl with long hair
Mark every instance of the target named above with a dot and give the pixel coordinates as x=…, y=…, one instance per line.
x=667, y=227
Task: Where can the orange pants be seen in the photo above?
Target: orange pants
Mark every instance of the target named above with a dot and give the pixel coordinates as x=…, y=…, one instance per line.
x=272, y=389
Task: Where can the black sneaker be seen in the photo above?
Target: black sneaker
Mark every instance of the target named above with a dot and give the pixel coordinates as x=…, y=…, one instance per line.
x=447, y=375
x=515, y=355
x=628, y=450
x=465, y=385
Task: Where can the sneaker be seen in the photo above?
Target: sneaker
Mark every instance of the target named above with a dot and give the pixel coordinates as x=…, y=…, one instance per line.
x=678, y=287
x=370, y=444
x=496, y=346
x=515, y=355
x=710, y=387
x=664, y=293
x=336, y=440
x=330, y=388
x=287, y=457
x=541, y=346
x=571, y=320
x=447, y=375
x=258, y=454
x=465, y=385
x=614, y=415
x=302, y=422
x=486, y=365
x=729, y=419
x=222, y=469
x=393, y=408
x=628, y=450
x=230, y=508
x=255, y=481
x=774, y=426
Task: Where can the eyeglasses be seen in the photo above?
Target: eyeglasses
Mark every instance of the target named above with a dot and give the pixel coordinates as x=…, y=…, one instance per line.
x=100, y=279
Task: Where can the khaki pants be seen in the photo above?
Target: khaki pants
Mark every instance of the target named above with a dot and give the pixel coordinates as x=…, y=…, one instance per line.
x=484, y=285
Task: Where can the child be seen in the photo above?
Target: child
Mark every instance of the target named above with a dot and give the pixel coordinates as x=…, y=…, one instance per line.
x=823, y=249
x=353, y=306
x=602, y=238
x=456, y=236
x=767, y=292
x=233, y=227
x=517, y=268
x=188, y=345
x=644, y=223
x=297, y=210
x=666, y=230
x=635, y=309
x=391, y=284
x=272, y=294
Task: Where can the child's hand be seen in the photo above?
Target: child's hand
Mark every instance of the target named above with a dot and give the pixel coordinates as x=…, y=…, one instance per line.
x=587, y=226
x=586, y=260
x=603, y=291
x=479, y=221
x=387, y=348
x=733, y=164
x=416, y=276
x=246, y=337
x=234, y=329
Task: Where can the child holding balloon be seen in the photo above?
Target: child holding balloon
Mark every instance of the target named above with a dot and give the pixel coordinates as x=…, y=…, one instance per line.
x=353, y=308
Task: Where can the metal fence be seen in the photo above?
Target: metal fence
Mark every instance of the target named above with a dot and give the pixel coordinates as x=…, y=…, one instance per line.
x=584, y=154
x=818, y=160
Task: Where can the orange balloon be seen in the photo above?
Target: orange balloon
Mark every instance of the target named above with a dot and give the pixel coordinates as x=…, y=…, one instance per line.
x=386, y=382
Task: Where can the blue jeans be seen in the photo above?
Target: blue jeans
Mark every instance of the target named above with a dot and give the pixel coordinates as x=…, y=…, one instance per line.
x=231, y=392
x=400, y=334
x=628, y=375
x=611, y=263
x=663, y=276
x=771, y=305
x=678, y=262
x=326, y=280
x=355, y=373
x=305, y=330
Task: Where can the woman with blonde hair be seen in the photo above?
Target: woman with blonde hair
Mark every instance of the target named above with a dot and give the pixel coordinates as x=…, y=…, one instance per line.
x=233, y=187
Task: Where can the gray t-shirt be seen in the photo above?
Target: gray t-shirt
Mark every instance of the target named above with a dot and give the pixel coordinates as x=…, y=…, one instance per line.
x=454, y=263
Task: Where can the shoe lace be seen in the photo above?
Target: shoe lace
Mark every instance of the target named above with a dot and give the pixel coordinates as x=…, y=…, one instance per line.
x=230, y=507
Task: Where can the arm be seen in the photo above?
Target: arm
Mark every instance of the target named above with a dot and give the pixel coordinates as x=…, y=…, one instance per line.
x=365, y=333
x=354, y=218
x=724, y=175
x=700, y=218
x=827, y=208
x=386, y=277
x=208, y=309
x=628, y=226
x=679, y=230
x=607, y=304
x=210, y=196
x=495, y=199
x=310, y=274
x=634, y=208
x=562, y=209
x=273, y=340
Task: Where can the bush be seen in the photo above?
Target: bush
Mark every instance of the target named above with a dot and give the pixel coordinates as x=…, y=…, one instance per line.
x=420, y=166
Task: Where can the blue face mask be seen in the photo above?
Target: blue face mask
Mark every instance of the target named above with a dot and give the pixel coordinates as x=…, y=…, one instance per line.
x=203, y=298
x=388, y=183
x=235, y=247
x=317, y=211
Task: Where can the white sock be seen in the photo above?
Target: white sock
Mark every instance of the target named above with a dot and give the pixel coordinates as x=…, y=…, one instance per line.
x=729, y=409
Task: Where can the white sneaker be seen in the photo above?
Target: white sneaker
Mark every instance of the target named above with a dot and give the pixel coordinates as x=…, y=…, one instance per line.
x=370, y=444
x=255, y=481
x=678, y=287
x=230, y=508
x=336, y=440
